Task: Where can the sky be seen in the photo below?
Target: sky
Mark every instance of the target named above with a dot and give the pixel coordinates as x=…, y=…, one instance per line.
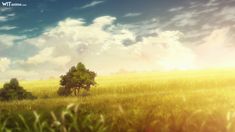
x=43, y=38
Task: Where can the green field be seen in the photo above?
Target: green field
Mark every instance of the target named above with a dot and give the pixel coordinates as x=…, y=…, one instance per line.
x=180, y=101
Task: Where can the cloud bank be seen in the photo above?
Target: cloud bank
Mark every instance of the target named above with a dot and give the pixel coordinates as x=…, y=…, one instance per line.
x=107, y=46
x=100, y=45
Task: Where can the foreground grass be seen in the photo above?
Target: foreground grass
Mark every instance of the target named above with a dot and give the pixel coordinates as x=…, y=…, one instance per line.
x=183, y=101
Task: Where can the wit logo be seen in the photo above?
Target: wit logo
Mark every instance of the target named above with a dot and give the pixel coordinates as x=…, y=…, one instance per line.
x=6, y=3
x=12, y=4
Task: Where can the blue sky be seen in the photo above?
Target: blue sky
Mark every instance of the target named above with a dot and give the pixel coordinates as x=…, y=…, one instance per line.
x=46, y=37
x=48, y=12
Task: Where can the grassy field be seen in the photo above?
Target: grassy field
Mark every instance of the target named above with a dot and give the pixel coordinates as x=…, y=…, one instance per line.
x=180, y=101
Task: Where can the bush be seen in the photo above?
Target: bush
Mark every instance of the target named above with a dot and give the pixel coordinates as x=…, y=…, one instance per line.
x=13, y=91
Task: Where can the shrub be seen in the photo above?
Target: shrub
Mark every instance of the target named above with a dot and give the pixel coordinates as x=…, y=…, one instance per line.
x=13, y=91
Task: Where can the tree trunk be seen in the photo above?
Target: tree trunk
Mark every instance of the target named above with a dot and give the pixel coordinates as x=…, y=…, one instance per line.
x=75, y=92
x=78, y=90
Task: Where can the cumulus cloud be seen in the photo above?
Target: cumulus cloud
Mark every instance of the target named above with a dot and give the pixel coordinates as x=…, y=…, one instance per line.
x=200, y=35
x=46, y=56
x=4, y=64
x=100, y=45
x=217, y=50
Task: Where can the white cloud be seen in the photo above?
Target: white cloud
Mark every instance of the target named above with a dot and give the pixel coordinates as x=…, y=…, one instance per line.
x=92, y=4
x=166, y=51
x=207, y=10
x=11, y=14
x=7, y=27
x=176, y=9
x=4, y=64
x=8, y=40
x=194, y=36
x=227, y=13
x=103, y=21
x=217, y=50
x=132, y=14
x=212, y=3
x=3, y=18
x=29, y=30
x=100, y=46
x=6, y=17
x=4, y=9
x=42, y=57
x=185, y=19
x=46, y=56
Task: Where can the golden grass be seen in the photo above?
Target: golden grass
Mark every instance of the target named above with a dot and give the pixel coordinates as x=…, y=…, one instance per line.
x=202, y=100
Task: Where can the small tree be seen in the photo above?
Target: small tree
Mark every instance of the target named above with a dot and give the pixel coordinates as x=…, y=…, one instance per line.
x=77, y=78
x=13, y=91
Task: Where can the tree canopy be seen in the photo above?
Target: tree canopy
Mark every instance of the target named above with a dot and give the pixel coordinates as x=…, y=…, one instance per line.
x=13, y=91
x=77, y=78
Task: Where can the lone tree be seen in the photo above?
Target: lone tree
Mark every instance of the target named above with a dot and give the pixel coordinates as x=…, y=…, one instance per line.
x=77, y=78
x=13, y=91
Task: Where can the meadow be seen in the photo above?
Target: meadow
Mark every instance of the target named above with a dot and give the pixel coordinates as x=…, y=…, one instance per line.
x=177, y=101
